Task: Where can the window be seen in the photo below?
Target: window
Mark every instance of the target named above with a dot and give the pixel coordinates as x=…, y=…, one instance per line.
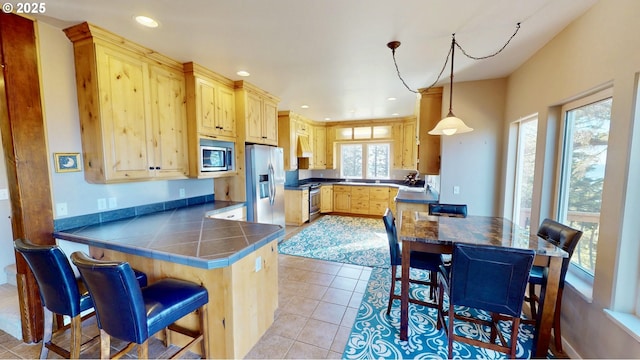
x=527, y=132
x=584, y=155
x=365, y=160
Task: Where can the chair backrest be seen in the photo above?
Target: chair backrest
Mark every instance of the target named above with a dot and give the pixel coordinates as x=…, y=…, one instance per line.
x=117, y=297
x=490, y=278
x=563, y=237
x=56, y=280
x=392, y=236
x=457, y=210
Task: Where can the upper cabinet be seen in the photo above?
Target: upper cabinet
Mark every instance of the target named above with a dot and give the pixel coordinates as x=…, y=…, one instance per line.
x=258, y=111
x=430, y=112
x=319, y=147
x=405, y=146
x=210, y=104
x=132, y=106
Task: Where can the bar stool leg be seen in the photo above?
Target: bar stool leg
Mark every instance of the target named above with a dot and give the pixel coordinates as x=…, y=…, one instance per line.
x=105, y=345
x=76, y=337
x=204, y=330
x=48, y=332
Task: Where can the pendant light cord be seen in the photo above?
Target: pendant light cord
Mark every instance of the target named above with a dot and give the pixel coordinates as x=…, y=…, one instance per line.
x=454, y=44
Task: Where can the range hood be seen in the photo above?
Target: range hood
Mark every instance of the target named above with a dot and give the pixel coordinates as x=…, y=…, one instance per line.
x=304, y=150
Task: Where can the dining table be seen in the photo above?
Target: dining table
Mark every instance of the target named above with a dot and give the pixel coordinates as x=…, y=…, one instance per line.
x=419, y=231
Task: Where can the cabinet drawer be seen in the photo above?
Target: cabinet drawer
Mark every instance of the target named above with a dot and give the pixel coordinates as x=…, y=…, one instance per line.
x=342, y=188
x=360, y=206
x=379, y=193
x=235, y=214
x=360, y=193
x=378, y=207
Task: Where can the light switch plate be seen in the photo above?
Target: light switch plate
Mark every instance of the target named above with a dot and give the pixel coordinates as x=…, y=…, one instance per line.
x=4, y=194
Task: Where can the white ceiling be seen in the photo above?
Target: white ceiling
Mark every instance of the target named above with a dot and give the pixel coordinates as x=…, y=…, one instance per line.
x=331, y=54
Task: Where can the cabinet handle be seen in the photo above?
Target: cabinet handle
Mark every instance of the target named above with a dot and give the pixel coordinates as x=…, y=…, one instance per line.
x=230, y=216
x=209, y=136
x=157, y=167
x=150, y=167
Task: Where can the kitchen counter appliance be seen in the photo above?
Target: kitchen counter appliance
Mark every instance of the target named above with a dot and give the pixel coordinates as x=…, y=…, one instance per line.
x=314, y=201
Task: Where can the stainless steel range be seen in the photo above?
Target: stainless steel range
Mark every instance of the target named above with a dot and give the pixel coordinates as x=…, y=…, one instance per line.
x=314, y=201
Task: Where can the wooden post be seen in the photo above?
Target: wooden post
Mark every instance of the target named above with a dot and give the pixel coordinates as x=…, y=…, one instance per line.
x=24, y=142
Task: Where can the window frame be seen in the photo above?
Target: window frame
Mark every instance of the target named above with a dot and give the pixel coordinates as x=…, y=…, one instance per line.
x=575, y=271
x=365, y=155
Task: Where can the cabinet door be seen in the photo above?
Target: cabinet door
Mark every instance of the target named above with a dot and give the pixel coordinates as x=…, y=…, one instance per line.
x=331, y=138
x=341, y=201
x=169, y=116
x=409, y=147
x=270, y=122
x=123, y=81
x=206, y=107
x=254, y=118
x=292, y=207
x=326, y=199
x=305, y=205
x=320, y=147
x=226, y=112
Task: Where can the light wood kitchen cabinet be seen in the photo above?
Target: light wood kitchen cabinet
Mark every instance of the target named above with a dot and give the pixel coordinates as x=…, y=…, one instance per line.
x=296, y=206
x=238, y=214
x=430, y=112
x=258, y=110
x=210, y=104
x=132, y=107
x=378, y=200
x=405, y=148
x=319, y=147
x=360, y=200
x=342, y=198
x=330, y=150
x=326, y=198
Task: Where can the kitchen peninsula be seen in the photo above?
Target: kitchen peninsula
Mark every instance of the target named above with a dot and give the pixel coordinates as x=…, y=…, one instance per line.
x=236, y=261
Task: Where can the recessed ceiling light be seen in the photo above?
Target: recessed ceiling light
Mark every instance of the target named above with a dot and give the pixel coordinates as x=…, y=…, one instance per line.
x=146, y=21
x=243, y=73
x=395, y=114
x=305, y=106
x=327, y=118
x=391, y=99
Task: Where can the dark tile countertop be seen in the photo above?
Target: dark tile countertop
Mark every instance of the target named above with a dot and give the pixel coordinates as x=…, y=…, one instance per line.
x=304, y=184
x=185, y=236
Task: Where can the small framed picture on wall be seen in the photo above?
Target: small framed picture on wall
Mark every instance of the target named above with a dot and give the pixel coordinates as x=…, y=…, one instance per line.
x=67, y=162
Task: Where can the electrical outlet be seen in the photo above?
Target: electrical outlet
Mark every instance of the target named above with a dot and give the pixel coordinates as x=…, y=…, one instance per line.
x=456, y=190
x=182, y=193
x=102, y=204
x=113, y=203
x=258, y=263
x=61, y=209
x=4, y=194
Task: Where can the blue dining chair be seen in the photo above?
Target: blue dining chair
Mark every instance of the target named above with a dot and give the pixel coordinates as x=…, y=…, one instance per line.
x=567, y=239
x=419, y=260
x=454, y=210
x=139, y=313
x=61, y=292
x=489, y=278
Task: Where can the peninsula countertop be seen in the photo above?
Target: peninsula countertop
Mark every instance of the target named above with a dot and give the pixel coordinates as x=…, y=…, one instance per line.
x=185, y=236
x=418, y=197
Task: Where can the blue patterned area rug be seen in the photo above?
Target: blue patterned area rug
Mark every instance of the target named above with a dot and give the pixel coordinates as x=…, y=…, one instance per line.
x=351, y=240
x=377, y=336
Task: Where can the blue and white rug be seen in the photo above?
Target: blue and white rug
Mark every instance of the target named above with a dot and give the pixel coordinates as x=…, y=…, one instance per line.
x=345, y=239
x=377, y=336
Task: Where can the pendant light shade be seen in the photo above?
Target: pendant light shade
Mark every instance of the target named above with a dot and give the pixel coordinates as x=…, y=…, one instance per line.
x=449, y=126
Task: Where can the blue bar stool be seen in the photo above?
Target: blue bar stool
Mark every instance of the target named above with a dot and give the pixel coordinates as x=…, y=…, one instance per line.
x=130, y=313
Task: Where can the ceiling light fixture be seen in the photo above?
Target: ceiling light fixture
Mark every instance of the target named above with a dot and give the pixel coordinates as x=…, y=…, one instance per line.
x=146, y=21
x=243, y=73
x=450, y=124
x=304, y=106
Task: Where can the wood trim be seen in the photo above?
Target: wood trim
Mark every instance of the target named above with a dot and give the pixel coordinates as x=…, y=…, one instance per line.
x=26, y=155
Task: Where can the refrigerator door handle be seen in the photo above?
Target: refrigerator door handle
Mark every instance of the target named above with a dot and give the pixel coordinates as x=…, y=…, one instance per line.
x=272, y=185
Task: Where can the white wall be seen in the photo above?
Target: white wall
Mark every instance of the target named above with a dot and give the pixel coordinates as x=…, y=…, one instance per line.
x=471, y=161
x=63, y=134
x=597, y=49
x=6, y=232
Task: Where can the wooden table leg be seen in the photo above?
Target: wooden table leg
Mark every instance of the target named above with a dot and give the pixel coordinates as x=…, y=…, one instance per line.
x=404, y=290
x=548, y=296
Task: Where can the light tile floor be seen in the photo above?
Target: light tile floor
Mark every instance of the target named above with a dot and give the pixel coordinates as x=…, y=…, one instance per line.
x=318, y=303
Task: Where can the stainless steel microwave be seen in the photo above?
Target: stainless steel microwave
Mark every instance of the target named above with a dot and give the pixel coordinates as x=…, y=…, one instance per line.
x=215, y=158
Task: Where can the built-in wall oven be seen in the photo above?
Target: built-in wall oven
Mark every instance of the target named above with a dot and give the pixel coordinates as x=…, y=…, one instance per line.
x=314, y=201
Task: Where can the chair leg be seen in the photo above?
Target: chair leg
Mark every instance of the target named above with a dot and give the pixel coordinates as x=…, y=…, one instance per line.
x=556, y=323
x=143, y=350
x=514, y=336
x=204, y=330
x=433, y=284
x=105, y=345
x=393, y=288
x=450, y=331
x=76, y=337
x=532, y=302
x=48, y=332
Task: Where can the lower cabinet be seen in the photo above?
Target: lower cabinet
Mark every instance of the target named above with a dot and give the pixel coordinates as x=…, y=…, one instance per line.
x=342, y=198
x=296, y=207
x=326, y=199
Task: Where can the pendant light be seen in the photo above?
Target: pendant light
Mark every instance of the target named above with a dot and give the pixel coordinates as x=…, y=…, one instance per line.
x=451, y=124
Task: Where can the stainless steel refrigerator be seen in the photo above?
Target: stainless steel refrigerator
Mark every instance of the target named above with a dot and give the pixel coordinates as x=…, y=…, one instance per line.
x=265, y=184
